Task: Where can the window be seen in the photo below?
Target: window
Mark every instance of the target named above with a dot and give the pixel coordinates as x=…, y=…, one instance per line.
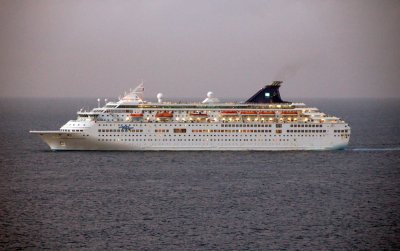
x=180, y=130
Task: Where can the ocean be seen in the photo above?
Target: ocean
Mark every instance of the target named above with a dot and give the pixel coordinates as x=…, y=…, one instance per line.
x=297, y=200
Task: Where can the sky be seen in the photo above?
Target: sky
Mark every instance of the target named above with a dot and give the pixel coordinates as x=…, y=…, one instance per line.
x=184, y=48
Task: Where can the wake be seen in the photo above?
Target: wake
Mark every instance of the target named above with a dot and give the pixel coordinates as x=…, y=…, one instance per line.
x=373, y=149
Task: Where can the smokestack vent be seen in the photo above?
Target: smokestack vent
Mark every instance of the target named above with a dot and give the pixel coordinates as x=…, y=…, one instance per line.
x=268, y=94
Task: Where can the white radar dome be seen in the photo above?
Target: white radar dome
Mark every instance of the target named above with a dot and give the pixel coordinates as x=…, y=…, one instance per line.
x=159, y=97
x=210, y=98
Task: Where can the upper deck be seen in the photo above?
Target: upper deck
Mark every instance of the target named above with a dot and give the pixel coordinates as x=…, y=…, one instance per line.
x=265, y=105
x=183, y=106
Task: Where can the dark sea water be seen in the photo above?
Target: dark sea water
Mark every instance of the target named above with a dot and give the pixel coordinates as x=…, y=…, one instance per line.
x=321, y=200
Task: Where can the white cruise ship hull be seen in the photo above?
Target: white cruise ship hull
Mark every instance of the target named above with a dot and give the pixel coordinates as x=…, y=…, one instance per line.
x=61, y=141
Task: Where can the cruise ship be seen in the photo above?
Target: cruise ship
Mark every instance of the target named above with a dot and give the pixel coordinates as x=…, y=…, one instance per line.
x=264, y=122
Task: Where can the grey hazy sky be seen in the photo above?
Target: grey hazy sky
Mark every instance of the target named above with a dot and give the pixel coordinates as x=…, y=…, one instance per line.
x=185, y=48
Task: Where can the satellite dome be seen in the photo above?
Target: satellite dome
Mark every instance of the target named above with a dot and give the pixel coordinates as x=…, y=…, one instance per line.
x=159, y=97
x=210, y=98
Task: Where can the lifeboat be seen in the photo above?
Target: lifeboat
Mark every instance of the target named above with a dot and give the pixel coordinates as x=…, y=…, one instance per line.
x=289, y=112
x=267, y=113
x=227, y=113
x=164, y=115
x=248, y=113
x=198, y=114
x=136, y=115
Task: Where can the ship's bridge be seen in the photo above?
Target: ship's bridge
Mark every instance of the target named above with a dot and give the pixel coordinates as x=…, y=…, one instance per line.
x=89, y=116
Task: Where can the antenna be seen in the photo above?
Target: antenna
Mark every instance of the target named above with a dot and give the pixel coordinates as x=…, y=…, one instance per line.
x=98, y=103
x=105, y=101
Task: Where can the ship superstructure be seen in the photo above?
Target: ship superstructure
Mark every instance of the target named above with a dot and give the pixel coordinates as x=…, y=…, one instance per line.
x=263, y=122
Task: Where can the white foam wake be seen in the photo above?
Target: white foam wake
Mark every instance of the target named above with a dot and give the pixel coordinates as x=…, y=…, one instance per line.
x=374, y=149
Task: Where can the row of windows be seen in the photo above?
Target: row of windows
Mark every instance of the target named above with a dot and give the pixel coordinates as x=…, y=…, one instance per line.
x=230, y=131
x=305, y=125
x=120, y=130
x=161, y=130
x=71, y=130
x=339, y=131
x=70, y=124
x=183, y=130
x=179, y=130
x=118, y=111
x=246, y=125
x=215, y=140
x=342, y=135
x=306, y=131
